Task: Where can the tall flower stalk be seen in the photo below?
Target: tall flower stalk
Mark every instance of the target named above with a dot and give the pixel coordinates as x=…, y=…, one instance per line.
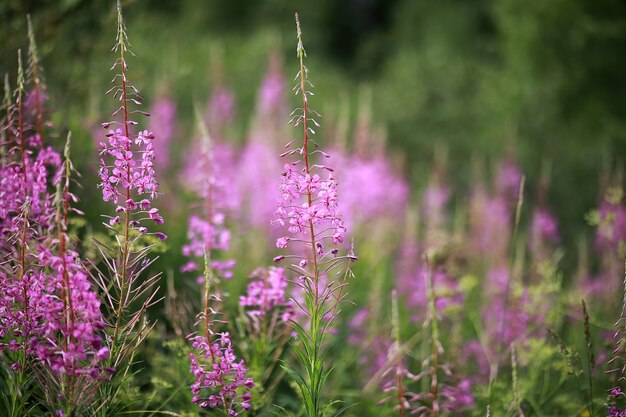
x=207, y=231
x=128, y=180
x=221, y=382
x=71, y=346
x=309, y=206
x=27, y=173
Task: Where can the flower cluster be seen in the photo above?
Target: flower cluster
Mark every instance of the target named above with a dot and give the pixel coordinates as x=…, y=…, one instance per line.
x=308, y=200
x=272, y=91
x=163, y=123
x=220, y=381
x=71, y=333
x=29, y=180
x=615, y=411
x=130, y=178
x=258, y=169
x=221, y=108
x=206, y=174
x=26, y=296
x=267, y=292
x=28, y=167
x=370, y=190
x=490, y=223
x=544, y=231
x=28, y=170
x=257, y=184
x=446, y=288
x=205, y=235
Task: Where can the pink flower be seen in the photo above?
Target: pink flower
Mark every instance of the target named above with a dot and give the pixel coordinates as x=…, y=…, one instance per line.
x=127, y=172
x=220, y=381
x=267, y=292
x=163, y=123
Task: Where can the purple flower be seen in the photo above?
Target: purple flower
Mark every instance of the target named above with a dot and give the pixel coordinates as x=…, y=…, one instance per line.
x=371, y=190
x=508, y=179
x=221, y=382
x=301, y=213
x=615, y=411
x=258, y=183
x=459, y=398
x=163, y=123
x=127, y=174
x=266, y=293
x=84, y=353
x=273, y=88
x=490, y=222
x=221, y=109
x=544, y=231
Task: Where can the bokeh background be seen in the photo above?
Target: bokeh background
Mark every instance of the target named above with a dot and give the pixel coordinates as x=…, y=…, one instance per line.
x=450, y=94
x=540, y=81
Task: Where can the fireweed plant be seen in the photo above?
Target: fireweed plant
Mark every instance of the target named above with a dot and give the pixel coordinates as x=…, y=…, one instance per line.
x=266, y=311
x=309, y=207
x=27, y=176
x=474, y=272
x=207, y=231
x=51, y=327
x=221, y=382
x=128, y=181
x=73, y=353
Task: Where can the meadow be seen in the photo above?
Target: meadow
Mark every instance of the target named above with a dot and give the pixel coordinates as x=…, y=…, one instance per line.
x=175, y=258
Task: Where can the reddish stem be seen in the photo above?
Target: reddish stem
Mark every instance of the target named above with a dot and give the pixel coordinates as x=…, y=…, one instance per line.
x=128, y=189
x=62, y=236
x=23, y=264
x=400, y=392
x=305, y=151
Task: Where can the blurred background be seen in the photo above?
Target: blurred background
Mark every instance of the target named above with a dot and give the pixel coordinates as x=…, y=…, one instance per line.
x=541, y=82
x=432, y=112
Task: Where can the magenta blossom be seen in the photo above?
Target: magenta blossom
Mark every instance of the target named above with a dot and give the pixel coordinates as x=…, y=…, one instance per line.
x=163, y=124
x=267, y=292
x=221, y=381
x=128, y=178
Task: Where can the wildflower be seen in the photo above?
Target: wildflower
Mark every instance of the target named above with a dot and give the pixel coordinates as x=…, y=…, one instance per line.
x=127, y=176
x=272, y=91
x=220, y=380
x=490, y=221
x=308, y=206
x=221, y=108
x=508, y=179
x=28, y=167
x=544, y=231
x=459, y=398
x=370, y=190
x=207, y=232
x=123, y=175
x=163, y=123
x=267, y=292
x=85, y=353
